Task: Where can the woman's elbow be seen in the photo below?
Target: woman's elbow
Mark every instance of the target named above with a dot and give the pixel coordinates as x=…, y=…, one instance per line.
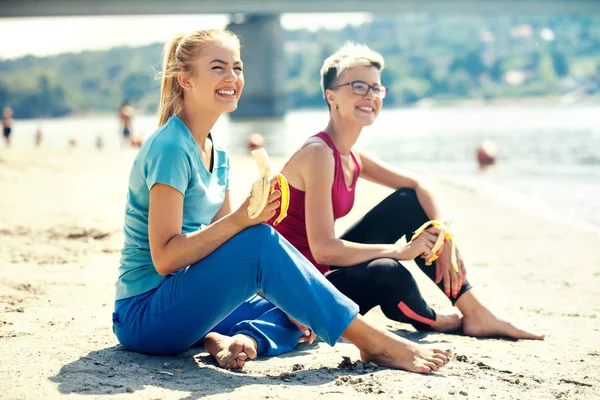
x=161, y=265
x=162, y=269
x=325, y=256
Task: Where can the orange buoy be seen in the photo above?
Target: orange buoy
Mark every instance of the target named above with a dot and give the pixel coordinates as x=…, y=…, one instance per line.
x=136, y=141
x=487, y=154
x=255, y=141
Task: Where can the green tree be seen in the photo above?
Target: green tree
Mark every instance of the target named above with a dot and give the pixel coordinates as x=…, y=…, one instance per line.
x=474, y=65
x=135, y=86
x=496, y=72
x=560, y=64
x=546, y=70
x=387, y=79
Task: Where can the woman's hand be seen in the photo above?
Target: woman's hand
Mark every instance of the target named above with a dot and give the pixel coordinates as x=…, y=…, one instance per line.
x=421, y=246
x=307, y=334
x=241, y=214
x=444, y=271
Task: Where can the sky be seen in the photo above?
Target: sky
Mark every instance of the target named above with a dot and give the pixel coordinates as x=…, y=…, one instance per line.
x=54, y=35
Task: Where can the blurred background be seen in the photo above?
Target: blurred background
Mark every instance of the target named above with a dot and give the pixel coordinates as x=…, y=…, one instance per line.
x=512, y=85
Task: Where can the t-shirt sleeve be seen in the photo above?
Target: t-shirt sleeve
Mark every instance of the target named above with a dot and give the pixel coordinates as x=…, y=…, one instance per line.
x=227, y=169
x=170, y=166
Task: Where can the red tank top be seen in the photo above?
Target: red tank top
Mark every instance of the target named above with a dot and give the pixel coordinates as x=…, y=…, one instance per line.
x=293, y=227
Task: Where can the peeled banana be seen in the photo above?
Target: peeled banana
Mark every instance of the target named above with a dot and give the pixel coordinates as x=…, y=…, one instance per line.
x=262, y=188
x=444, y=234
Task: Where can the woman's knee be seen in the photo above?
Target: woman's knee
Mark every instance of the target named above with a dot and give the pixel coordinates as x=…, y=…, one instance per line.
x=256, y=236
x=407, y=197
x=386, y=272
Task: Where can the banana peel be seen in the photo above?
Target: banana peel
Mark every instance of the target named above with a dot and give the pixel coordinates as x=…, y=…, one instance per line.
x=262, y=188
x=444, y=234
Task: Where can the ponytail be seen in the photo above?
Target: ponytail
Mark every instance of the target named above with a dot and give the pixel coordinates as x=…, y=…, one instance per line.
x=171, y=93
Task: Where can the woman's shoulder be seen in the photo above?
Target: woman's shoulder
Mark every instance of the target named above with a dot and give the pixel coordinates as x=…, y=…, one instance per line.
x=170, y=137
x=313, y=153
x=315, y=146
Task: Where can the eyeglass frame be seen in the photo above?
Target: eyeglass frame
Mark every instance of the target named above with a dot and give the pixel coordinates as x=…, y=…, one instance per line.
x=369, y=87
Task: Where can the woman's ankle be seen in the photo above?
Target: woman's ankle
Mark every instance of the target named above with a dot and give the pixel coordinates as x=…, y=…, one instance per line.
x=366, y=337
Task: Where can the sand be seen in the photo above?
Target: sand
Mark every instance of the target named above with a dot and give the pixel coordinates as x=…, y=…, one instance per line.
x=60, y=236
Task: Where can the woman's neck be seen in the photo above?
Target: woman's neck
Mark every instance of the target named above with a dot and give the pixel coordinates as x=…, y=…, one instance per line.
x=342, y=135
x=198, y=121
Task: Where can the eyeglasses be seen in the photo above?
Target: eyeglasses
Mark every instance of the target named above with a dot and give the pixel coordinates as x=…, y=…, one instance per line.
x=362, y=88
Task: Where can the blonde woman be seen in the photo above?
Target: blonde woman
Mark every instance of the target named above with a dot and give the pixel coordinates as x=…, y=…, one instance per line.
x=364, y=263
x=191, y=264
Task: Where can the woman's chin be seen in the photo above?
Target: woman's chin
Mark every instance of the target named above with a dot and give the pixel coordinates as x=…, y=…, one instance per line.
x=228, y=108
x=365, y=121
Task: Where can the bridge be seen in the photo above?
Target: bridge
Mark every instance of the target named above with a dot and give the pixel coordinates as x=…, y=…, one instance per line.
x=258, y=24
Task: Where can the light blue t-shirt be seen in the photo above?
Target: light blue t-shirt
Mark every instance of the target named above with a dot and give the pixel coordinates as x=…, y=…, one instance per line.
x=169, y=156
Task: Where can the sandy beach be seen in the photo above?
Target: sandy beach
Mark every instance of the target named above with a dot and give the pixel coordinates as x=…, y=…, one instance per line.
x=61, y=216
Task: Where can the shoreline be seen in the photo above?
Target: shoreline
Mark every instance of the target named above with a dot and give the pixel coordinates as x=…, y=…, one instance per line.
x=425, y=103
x=533, y=207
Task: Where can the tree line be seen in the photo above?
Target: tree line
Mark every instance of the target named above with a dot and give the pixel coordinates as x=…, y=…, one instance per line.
x=441, y=59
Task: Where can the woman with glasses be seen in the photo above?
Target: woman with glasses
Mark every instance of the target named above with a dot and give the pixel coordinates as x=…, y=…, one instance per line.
x=364, y=263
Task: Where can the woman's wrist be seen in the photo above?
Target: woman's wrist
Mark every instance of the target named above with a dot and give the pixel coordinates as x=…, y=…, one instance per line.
x=400, y=252
x=237, y=221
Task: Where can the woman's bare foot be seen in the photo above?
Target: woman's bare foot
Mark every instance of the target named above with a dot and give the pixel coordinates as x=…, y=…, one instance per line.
x=479, y=321
x=485, y=324
x=447, y=322
x=389, y=350
x=400, y=353
x=230, y=352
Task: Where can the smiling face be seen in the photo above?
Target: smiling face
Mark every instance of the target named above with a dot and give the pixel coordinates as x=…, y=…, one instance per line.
x=217, y=80
x=362, y=110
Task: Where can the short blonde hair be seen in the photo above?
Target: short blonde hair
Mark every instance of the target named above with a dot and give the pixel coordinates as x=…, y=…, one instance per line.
x=349, y=56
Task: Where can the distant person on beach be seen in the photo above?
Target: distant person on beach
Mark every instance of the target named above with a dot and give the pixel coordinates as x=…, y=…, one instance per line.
x=38, y=137
x=194, y=269
x=365, y=262
x=99, y=142
x=126, y=113
x=7, y=124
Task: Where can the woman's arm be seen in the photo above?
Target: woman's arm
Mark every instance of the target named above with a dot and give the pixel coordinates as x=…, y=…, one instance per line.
x=317, y=172
x=378, y=172
x=171, y=250
x=225, y=208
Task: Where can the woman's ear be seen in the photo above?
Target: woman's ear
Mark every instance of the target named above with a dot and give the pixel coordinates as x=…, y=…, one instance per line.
x=184, y=80
x=330, y=96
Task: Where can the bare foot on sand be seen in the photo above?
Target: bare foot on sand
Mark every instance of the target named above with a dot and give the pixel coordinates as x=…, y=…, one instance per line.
x=230, y=352
x=397, y=352
x=447, y=322
x=484, y=323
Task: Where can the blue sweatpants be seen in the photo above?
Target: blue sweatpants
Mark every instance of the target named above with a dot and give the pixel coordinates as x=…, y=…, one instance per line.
x=218, y=294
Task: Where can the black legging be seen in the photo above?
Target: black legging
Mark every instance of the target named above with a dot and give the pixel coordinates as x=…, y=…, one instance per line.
x=385, y=282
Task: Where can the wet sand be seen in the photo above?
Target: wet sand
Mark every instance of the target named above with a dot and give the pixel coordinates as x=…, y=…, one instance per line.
x=61, y=232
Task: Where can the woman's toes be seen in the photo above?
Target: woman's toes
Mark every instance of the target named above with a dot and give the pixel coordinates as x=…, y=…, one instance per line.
x=442, y=358
x=433, y=366
x=447, y=353
x=426, y=370
x=437, y=361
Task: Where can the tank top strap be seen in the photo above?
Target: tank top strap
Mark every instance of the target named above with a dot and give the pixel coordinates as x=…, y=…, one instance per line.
x=356, y=169
x=336, y=154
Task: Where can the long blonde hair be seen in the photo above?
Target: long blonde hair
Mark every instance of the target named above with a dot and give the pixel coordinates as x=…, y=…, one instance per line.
x=179, y=56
